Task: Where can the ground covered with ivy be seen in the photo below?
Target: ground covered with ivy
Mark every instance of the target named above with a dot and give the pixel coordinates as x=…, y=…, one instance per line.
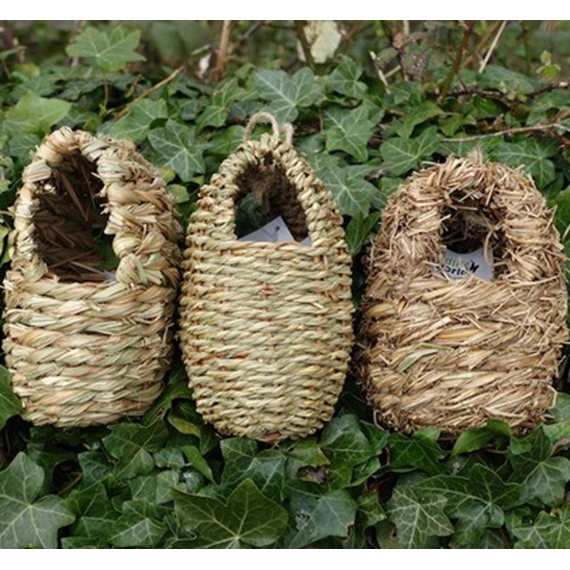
x=170, y=480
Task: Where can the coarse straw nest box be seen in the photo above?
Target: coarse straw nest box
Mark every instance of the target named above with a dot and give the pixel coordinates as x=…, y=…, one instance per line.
x=439, y=345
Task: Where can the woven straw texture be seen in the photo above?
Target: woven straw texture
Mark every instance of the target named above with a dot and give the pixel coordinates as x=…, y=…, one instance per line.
x=85, y=347
x=266, y=328
x=434, y=352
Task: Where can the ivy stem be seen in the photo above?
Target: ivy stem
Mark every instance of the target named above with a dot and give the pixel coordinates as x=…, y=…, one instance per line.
x=300, y=30
x=457, y=61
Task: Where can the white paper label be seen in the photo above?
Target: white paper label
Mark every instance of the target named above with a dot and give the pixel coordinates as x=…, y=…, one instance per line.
x=275, y=231
x=458, y=265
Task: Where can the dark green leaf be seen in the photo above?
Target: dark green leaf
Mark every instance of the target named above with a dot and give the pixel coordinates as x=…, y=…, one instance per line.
x=196, y=460
x=156, y=488
x=320, y=517
x=547, y=531
x=136, y=125
x=138, y=527
x=358, y=231
x=177, y=148
x=109, y=49
x=349, y=131
x=507, y=80
x=402, y=155
x=215, y=114
x=370, y=511
x=9, y=403
x=27, y=520
x=532, y=154
x=417, y=519
x=477, y=502
x=415, y=452
x=541, y=476
x=131, y=445
x=248, y=519
x=418, y=115
x=286, y=93
x=344, y=79
x=475, y=439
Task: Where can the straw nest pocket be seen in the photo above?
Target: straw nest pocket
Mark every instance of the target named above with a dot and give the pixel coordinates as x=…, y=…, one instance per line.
x=266, y=328
x=450, y=354
x=85, y=345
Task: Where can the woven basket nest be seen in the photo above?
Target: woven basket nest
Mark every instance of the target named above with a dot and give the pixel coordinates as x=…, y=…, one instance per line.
x=451, y=354
x=86, y=346
x=266, y=328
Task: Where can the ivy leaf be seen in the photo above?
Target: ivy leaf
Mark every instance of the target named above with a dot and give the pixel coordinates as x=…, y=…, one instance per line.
x=318, y=517
x=248, y=519
x=541, y=476
x=351, y=192
x=287, y=93
x=532, y=154
x=177, y=148
x=475, y=439
x=109, y=50
x=346, y=446
x=349, y=131
x=28, y=521
x=216, y=113
x=416, y=452
x=136, y=125
x=138, y=526
x=132, y=444
x=370, y=511
x=477, y=502
x=94, y=512
x=507, y=80
x=196, y=459
x=344, y=79
x=549, y=530
x=9, y=403
x=416, y=116
x=358, y=231
x=401, y=155
x=156, y=488
x=242, y=461
x=417, y=519
x=35, y=114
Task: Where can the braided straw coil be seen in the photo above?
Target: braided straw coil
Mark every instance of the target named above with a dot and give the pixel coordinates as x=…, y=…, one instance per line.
x=451, y=354
x=84, y=346
x=266, y=328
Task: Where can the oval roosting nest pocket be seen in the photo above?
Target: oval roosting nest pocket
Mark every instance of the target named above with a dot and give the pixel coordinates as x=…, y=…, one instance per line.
x=440, y=346
x=266, y=326
x=91, y=290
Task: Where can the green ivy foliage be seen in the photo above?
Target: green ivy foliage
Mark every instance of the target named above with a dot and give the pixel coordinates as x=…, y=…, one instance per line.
x=170, y=481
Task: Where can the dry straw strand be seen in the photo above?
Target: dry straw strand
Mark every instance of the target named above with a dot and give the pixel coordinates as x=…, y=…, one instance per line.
x=85, y=347
x=266, y=328
x=434, y=352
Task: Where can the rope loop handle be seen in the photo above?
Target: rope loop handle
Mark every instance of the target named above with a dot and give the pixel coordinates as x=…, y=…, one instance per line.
x=285, y=130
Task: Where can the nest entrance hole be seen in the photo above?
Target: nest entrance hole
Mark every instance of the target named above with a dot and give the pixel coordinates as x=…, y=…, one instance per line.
x=70, y=222
x=469, y=225
x=266, y=193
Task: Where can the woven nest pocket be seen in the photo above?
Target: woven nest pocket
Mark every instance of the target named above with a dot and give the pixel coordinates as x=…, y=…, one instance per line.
x=266, y=328
x=451, y=353
x=91, y=290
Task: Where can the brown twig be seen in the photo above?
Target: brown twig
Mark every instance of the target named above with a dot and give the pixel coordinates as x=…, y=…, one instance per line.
x=300, y=30
x=484, y=41
x=457, y=61
x=512, y=131
x=493, y=46
x=10, y=41
x=222, y=54
x=151, y=90
x=258, y=24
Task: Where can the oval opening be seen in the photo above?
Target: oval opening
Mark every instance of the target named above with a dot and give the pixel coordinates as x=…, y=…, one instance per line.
x=265, y=194
x=70, y=221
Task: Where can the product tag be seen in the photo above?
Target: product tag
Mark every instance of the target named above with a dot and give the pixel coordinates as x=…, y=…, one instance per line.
x=275, y=231
x=458, y=265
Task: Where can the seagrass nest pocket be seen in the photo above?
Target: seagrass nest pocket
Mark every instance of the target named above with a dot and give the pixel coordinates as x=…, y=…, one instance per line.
x=266, y=328
x=88, y=342
x=450, y=354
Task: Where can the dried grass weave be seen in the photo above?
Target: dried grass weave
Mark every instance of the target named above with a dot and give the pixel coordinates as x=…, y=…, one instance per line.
x=266, y=328
x=84, y=346
x=434, y=352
